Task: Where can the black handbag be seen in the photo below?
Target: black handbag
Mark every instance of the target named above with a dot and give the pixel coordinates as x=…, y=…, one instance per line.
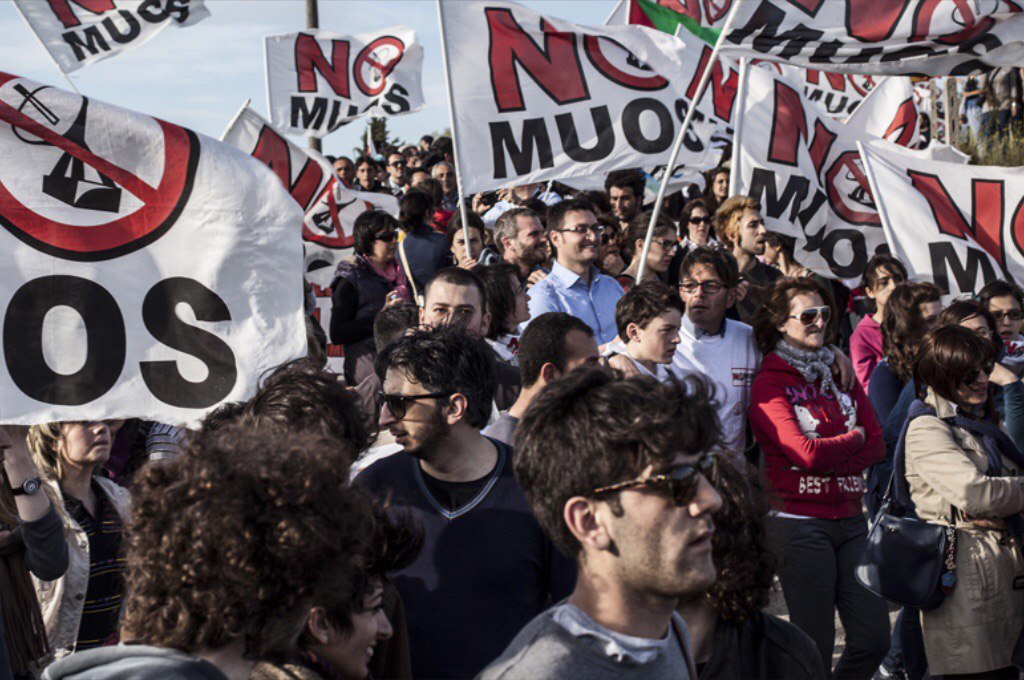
x=907, y=560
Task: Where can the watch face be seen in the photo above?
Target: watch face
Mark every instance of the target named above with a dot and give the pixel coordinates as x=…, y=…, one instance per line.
x=31, y=485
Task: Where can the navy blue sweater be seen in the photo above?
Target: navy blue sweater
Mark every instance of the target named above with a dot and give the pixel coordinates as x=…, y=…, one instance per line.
x=485, y=571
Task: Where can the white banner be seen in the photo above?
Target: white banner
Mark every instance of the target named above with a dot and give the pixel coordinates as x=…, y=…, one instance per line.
x=77, y=33
x=149, y=271
x=889, y=112
x=319, y=81
x=881, y=37
x=330, y=209
x=539, y=98
x=957, y=226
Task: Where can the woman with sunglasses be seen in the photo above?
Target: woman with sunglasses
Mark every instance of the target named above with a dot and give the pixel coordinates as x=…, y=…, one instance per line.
x=372, y=280
x=1006, y=303
x=695, y=228
x=963, y=470
x=664, y=244
x=817, y=440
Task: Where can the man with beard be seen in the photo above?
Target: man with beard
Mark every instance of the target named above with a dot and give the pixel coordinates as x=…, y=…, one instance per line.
x=486, y=567
x=739, y=224
x=626, y=194
x=617, y=472
x=519, y=237
x=346, y=170
x=575, y=285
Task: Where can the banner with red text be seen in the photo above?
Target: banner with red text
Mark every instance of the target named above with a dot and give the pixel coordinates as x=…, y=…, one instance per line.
x=539, y=98
x=883, y=37
x=77, y=33
x=318, y=81
x=958, y=226
x=146, y=267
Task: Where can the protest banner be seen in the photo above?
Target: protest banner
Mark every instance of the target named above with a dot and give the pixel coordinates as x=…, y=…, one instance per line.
x=77, y=33
x=928, y=37
x=145, y=264
x=540, y=98
x=958, y=226
x=319, y=81
x=889, y=112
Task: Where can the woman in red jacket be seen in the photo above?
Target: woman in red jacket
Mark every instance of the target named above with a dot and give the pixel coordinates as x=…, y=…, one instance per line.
x=817, y=441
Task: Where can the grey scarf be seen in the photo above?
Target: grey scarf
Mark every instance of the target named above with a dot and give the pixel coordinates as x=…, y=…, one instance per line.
x=813, y=366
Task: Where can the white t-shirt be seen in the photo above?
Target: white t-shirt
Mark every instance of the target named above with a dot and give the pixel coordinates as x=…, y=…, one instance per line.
x=730, y=360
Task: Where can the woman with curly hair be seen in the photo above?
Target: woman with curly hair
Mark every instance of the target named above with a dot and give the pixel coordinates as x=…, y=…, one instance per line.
x=346, y=638
x=229, y=546
x=732, y=636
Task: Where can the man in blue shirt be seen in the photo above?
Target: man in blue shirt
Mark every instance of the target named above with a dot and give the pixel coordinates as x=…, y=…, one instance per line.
x=574, y=285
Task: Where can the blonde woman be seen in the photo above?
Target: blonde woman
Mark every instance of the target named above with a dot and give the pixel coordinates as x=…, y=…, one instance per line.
x=81, y=609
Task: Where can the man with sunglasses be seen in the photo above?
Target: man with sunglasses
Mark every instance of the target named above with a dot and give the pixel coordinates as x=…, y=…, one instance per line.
x=617, y=472
x=486, y=567
x=721, y=348
x=396, y=174
x=575, y=285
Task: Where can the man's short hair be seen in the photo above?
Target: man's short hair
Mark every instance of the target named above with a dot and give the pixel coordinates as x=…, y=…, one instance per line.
x=505, y=226
x=248, y=509
x=299, y=397
x=728, y=216
x=592, y=429
x=630, y=178
x=543, y=342
x=558, y=211
x=785, y=243
x=367, y=159
x=719, y=259
x=446, y=360
x=428, y=139
x=457, y=276
x=643, y=303
x=392, y=322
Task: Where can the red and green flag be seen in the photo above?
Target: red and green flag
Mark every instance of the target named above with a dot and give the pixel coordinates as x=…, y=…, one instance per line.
x=650, y=13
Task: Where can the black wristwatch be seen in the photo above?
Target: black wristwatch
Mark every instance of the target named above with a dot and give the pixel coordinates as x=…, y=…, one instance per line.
x=28, y=488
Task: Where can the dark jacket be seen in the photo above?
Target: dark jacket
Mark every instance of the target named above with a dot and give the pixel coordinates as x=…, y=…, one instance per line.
x=764, y=647
x=358, y=293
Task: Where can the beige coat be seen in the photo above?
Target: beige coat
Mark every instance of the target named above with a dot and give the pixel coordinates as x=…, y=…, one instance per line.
x=976, y=627
x=61, y=601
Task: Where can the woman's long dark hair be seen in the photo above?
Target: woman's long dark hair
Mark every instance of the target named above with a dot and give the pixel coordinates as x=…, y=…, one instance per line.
x=947, y=357
x=500, y=294
x=903, y=327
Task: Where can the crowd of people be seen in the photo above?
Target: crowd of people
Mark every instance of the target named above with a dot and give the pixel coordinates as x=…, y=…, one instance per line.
x=544, y=460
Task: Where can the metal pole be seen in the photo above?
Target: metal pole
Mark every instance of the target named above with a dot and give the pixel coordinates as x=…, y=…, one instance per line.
x=455, y=134
x=671, y=166
x=313, y=21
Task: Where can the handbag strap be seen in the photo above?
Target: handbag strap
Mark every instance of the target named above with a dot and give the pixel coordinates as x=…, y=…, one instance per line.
x=898, y=490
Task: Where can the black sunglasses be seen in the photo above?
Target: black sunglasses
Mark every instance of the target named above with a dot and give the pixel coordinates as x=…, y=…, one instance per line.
x=398, y=404
x=680, y=482
x=386, y=236
x=1012, y=315
x=975, y=375
x=700, y=220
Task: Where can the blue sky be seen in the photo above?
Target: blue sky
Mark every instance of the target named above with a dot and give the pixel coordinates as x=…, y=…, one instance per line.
x=199, y=76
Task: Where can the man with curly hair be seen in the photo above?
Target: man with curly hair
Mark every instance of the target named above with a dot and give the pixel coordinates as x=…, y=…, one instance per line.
x=229, y=545
x=616, y=473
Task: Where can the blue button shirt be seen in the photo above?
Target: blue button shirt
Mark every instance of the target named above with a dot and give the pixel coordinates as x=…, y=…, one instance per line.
x=564, y=291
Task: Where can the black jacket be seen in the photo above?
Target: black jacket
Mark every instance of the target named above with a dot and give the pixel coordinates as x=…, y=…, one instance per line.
x=766, y=648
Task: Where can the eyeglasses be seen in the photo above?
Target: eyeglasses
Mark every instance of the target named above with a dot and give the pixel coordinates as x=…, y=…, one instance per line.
x=810, y=315
x=975, y=375
x=582, y=229
x=984, y=332
x=680, y=482
x=1012, y=315
x=699, y=220
x=666, y=244
x=709, y=287
x=386, y=236
x=398, y=404
x=397, y=164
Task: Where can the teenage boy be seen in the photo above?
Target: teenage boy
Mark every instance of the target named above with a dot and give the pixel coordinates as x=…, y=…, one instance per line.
x=648, y=319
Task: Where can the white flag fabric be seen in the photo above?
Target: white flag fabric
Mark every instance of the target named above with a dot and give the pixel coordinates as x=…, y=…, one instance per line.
x=149, y=271
x=889, y=112
x=881, y=37
x=319, y=81
x=330, y=209
x=539, y=98
x=803, y=167
x=77, y=33
x=957, y=226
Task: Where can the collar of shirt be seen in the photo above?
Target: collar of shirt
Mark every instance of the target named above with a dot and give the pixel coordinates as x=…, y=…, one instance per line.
x=618, y=646
x=699, y=333
x=568, y=278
